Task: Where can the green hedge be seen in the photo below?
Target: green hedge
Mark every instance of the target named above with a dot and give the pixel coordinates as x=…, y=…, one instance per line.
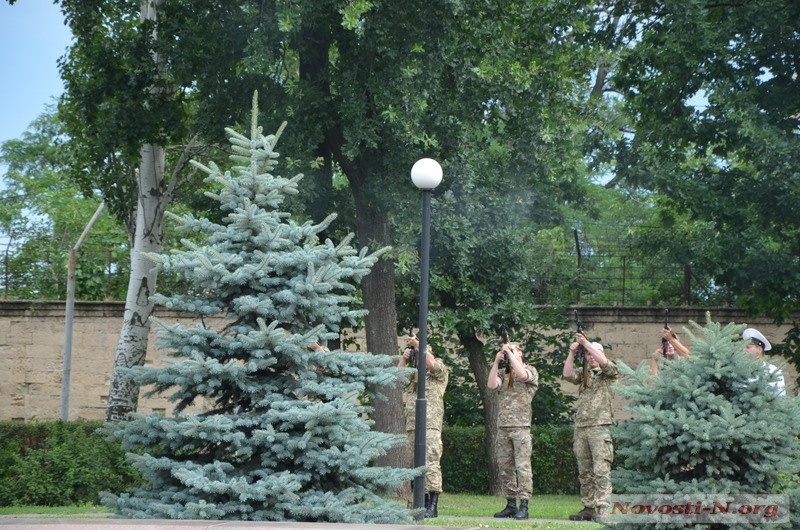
x=59, y=464
x=68, y=463
x=465, y=466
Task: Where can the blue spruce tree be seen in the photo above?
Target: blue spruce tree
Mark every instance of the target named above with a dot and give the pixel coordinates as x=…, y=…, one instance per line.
x=287, y=436
x=708, y=425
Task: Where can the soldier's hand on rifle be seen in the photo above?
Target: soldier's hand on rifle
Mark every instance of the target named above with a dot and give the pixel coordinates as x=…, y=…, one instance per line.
x=595, y=354
x=501, y=355
x=569, y=362
x=670, y=354
x=581, y=339
x=668, y=335
x=405, y=357
x=317, y=346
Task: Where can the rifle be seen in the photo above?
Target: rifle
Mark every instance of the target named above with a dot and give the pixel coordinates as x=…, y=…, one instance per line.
x=580, y=353
x=412, y=359
x=509, y=371
x=665, y=342
x=504, y=337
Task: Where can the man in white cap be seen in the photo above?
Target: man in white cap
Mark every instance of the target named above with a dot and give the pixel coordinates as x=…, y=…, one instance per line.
x=756, y=345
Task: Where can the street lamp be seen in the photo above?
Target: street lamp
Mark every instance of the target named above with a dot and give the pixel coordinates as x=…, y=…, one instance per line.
x=426, y=174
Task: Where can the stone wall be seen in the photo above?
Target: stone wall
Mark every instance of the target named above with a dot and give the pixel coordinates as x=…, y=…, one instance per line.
x=32, y=346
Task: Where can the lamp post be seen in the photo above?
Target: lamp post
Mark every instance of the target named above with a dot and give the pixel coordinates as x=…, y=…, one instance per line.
x=426, y=174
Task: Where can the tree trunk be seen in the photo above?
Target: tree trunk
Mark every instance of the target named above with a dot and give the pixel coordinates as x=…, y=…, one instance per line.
x=491, y=404
x=381, y=332
x=381, y=324
x=132, y=346
x=123, y=396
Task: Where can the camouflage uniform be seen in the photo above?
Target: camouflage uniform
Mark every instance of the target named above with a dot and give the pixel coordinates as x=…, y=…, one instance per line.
x=513, y=443
x=593, y=446
x=435, y=385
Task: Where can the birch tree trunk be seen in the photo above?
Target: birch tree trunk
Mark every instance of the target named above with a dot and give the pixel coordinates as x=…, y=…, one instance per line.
x=123, y=396
x=133, y=337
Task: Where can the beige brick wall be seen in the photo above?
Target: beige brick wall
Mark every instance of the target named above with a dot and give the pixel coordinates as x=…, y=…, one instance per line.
x=32, y=347
x=32, y=338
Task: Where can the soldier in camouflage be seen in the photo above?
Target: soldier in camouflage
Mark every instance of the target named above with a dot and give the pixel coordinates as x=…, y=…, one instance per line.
x=517, y=386
x=435, y=384
x=593, y=446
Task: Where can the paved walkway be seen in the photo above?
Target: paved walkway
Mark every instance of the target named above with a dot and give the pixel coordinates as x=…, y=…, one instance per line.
x=162, y=524
x=29, y=522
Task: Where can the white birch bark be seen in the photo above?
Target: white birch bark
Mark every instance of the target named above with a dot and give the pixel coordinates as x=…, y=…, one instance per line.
x=133, y=337
x=153, y=199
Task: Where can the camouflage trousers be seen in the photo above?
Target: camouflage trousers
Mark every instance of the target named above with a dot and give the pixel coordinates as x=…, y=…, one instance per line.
x=513, y=454
x=594, y=451
x=433, y=457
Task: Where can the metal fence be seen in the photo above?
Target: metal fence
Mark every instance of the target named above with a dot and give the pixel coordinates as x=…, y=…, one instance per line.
x=605, y=269
x=35, y=268
x=613, y=269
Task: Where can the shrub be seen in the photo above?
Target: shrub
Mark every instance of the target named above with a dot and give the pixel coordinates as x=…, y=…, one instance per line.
x=59, y=464
x=465, y=465
x=69, y=463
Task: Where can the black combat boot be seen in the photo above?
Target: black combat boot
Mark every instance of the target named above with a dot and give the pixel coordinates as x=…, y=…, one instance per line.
x=522, y=513
x=587, y=514
x=432, y=508
x=510, y=510
x=427, y=501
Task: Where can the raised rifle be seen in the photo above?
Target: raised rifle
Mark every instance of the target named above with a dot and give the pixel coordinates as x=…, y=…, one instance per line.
x=412, y=359
x=509, y=371
x=504, y=338
x=580, y=353
x=665, y=342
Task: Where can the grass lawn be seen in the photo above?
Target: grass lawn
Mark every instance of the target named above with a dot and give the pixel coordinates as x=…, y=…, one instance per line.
x=455, y=510
x=83, y=511
x=459, y=509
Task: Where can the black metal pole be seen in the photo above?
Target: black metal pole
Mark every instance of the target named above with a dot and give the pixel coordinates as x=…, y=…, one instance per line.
x=421, y=416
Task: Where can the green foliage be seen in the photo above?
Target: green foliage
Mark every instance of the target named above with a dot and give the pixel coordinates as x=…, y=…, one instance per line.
x=544, y=348
x=508, y=86
x=465, y=466
x=43, y=216
x=70, y=463
x=790, y=348
x=285, y=435
x=708, y=424
x=59, y=464
x=542, y=341
x=710, y=91
x=555, y=469
x=462, y=401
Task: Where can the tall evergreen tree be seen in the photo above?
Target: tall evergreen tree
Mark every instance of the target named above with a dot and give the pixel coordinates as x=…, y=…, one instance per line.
x=709, y=424
x=285, y=437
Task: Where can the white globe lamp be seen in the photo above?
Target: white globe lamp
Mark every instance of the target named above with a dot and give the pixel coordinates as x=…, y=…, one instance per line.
x=426, y=173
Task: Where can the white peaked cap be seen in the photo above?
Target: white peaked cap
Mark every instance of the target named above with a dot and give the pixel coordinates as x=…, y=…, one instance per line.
x=751, y=333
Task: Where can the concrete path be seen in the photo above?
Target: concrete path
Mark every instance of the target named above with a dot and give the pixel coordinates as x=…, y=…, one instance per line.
x=161, y=524
x=29, y=522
